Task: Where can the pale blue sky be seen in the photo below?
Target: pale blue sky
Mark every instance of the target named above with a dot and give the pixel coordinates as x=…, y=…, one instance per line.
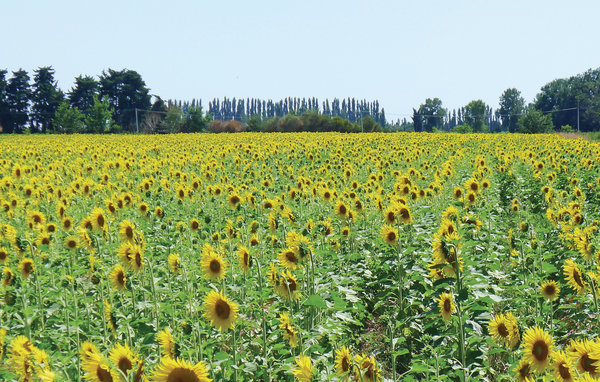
x=398, y=52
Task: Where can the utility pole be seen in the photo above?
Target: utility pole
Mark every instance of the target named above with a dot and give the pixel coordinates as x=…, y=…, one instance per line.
x=137, y=126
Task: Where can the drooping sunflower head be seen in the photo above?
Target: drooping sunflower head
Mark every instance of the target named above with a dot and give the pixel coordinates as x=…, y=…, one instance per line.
x=562, y=367
x=126, y=230
x=87, y=350
x=98, y=219
x=537, y=348
x=288, y=258
x=245, y=260
x=369, y=372
x=221, y=312
x=289, y=286
x=574, y=277
x=123, y=358
x=26, y=266
x=168, y=346
x=97, y=369
x=118, y=278
x=343, y=361
x=174, y=262
x=136, y=262
x=303, y=371
x=585, y=355
x=446, y=306
x=404, y=214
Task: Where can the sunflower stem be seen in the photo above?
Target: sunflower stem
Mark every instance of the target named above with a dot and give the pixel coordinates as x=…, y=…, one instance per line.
x=264, y=321
x=234, y=354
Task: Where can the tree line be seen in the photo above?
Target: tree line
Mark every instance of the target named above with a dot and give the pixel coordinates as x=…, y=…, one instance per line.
x=120, y=101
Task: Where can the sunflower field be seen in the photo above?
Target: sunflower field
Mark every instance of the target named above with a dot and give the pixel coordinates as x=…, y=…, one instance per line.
x=308, y=257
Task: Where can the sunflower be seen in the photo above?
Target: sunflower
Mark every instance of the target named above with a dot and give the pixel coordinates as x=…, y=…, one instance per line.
x=118, y=278
x=471, y=198
x=446, y=306
x=158, y=211
x=550, y=290
x=537, y=348
x=143, y=209
x=126, y=230
x=123, y=358
x=125, y=253
x=341, y=209
x=574, y=277
x=8, y=277
x=343, y=362
x=288, y=258
x=234, y=199
x=98, y=219
x=562, y=367
x=87, y=350
x=51, y=228
x=501, y=329
x=109, y=318
x=585, y=356
x=87, y=223
x=36, y=218
x=458, y=193
x=245, y=259
x=72, y=243
x=67, y=223
x=136, y=262
x=472, y=185
x=303, y=370
x=523, y=370
x=97, y=369
x=404, y=214
x=345, y=231
x=174, y=262
x=289, y=332
x=194, y=225
x=368, y=369
x=168, y=347
x=221, y=312
x=3, y=255
x=390, y=215
x=288, y=286
x=180, y=370
x=214, y=266
x=26, y=266
x=389, y=234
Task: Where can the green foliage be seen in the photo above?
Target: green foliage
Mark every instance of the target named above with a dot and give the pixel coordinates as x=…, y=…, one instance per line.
x=432, y=114
x=174, y=121
x=475, y=116
x=68, y=120
x=197, y=121
x=512, y=106
x=46, y=97
x=18, y=95
x=125, y=91
x=463, y=129
x=83, y=92
x=535, y=122
x=99, y=117
x=567, y=129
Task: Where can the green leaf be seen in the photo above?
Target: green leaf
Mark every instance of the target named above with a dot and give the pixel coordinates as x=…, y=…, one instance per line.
x=316, y=300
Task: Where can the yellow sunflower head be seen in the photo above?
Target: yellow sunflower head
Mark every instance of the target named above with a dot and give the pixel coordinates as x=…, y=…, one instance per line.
x=179, y=370
x=537, y=348
x=550, y=290
x=221, y=312
x=214, y=266
x=343, y=362
x=446, y=306
x=303, y=370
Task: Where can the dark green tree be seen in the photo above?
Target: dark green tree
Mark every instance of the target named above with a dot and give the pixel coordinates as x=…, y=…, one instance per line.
x=126, y=91
x=68, y=120
x=512, y=106
x=417, y=121
x=46, y=97
x=83, y=92
x=432, y=114
x=98, y=119
x=474, y=115
x=535, y=122
x=18, y=94
x=197, y=121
